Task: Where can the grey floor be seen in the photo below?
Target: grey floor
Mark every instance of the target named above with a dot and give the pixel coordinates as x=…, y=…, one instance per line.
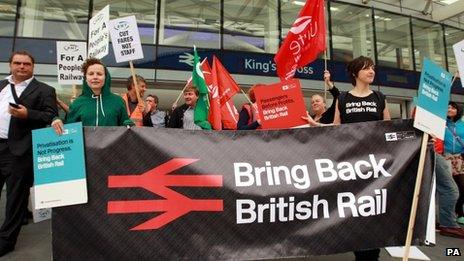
x=34, y=243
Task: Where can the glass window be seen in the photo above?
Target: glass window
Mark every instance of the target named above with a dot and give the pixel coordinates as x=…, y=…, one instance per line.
x=428, y=42
x=452, y=36
x=393, y=34
x=144, y=11
x=289, y=11
x=352, y=32
x=188, y=23
x=7, y=17
x=251, y=26
x=53, y=19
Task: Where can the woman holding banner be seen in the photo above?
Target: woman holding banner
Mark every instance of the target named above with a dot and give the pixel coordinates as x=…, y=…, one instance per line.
x=359, y=105
x=97, y=106
x=454, y=147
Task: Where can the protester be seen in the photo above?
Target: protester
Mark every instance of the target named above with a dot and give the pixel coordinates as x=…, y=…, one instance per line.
x=134, y=107
x=154, y=117
x=454, y=147
x=318, y=104
x=97, y=106
x=361, y=104
x=183, y=117
x=25, y=104
x=249, y=119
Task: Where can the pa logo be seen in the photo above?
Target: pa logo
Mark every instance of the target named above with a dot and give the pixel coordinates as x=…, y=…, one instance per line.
x=452, y=251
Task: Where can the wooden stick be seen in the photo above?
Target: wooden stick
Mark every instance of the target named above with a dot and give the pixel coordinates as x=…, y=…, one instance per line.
x=180, y=94
x=325, y=69
x=246, y=96
x=415, y=200
x=74, y=91
x=136, y=86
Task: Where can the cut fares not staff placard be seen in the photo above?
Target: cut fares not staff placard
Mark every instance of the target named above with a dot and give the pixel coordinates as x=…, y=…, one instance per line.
x=281, y=105
x=125, y=38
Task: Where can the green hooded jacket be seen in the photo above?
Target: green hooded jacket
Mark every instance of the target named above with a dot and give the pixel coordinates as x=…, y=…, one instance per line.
x=106, y=109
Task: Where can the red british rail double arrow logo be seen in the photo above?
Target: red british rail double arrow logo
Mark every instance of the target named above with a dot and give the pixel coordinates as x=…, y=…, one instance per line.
x=158, y=181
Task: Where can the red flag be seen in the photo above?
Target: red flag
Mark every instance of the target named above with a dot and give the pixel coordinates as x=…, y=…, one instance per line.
x=214, y=115
x=226, y=84
x=304, y=41
x=229, y=115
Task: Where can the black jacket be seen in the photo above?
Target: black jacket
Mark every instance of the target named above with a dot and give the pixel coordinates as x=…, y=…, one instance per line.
x=177, y=117
x=40, y=101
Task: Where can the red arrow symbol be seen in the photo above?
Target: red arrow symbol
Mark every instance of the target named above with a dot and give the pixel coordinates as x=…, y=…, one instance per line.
x=157, y=181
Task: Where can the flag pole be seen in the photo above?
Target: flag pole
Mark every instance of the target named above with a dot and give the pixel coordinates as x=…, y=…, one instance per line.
x=325, y=69
x=415, y=199
x=246, y=96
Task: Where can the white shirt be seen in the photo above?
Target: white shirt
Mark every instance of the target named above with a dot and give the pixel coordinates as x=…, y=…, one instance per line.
x=5, y=98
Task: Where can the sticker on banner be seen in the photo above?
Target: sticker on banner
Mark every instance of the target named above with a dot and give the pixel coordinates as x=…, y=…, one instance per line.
x=402, y=135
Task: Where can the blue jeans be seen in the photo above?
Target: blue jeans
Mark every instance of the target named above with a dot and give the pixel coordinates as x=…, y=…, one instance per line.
x=447, y=192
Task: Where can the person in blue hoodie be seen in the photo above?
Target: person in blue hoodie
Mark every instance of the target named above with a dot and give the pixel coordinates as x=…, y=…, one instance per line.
x=454, y=147
x=97, y=105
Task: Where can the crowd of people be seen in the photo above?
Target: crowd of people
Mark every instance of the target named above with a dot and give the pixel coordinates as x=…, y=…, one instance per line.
x=27, y=104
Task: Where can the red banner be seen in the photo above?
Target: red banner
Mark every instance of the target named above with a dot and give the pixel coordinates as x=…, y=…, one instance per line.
x=304, y=41
x=281, y=105
x=226, y=84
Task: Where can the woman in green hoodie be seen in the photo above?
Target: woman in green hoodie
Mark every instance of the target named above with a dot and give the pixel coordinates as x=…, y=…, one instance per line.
x=97, y=106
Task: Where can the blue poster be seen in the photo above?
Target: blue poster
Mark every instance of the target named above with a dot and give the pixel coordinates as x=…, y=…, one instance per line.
x=433, y=98
x=59, y=167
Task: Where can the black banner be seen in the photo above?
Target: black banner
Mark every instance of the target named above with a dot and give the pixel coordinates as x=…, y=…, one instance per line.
x=158, y=194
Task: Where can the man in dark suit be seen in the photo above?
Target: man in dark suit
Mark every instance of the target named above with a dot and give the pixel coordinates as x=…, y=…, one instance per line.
x=25, y=104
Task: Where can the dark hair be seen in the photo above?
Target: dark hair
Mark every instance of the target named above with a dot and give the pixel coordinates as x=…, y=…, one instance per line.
x=89, y=62
x=130, y=82
x=155, y=98
x=357, y=65
x=251, y=92
x=192, y=89
x=21, y=52
x=458, y=111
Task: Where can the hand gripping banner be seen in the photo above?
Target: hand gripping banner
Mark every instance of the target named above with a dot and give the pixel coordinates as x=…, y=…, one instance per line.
x=169, y=194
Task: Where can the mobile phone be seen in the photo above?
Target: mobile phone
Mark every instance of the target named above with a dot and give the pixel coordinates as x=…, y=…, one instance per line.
x=14, y=105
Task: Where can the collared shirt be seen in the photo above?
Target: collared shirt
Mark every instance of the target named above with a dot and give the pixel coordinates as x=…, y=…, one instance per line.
x=157, y=118
x=188, y=121
x=5, y=98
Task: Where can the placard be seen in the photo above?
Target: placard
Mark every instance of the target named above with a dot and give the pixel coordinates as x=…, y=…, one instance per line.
x=59, y=167
x=432, y=100
x=69, y=59
x=281, y=105
x=125, y=39
x=98, y=33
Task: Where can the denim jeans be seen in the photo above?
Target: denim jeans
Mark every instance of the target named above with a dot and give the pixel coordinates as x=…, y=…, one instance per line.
x=447, y=192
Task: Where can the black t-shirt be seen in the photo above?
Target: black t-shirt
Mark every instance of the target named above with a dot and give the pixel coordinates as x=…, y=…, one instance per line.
x=361, y=109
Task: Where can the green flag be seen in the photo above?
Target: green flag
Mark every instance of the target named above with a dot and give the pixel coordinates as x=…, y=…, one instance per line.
x=200, y=115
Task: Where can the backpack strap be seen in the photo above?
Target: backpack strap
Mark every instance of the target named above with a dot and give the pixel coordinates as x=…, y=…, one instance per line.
x=3, y=83
x=381, y=106
x=341, y=104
